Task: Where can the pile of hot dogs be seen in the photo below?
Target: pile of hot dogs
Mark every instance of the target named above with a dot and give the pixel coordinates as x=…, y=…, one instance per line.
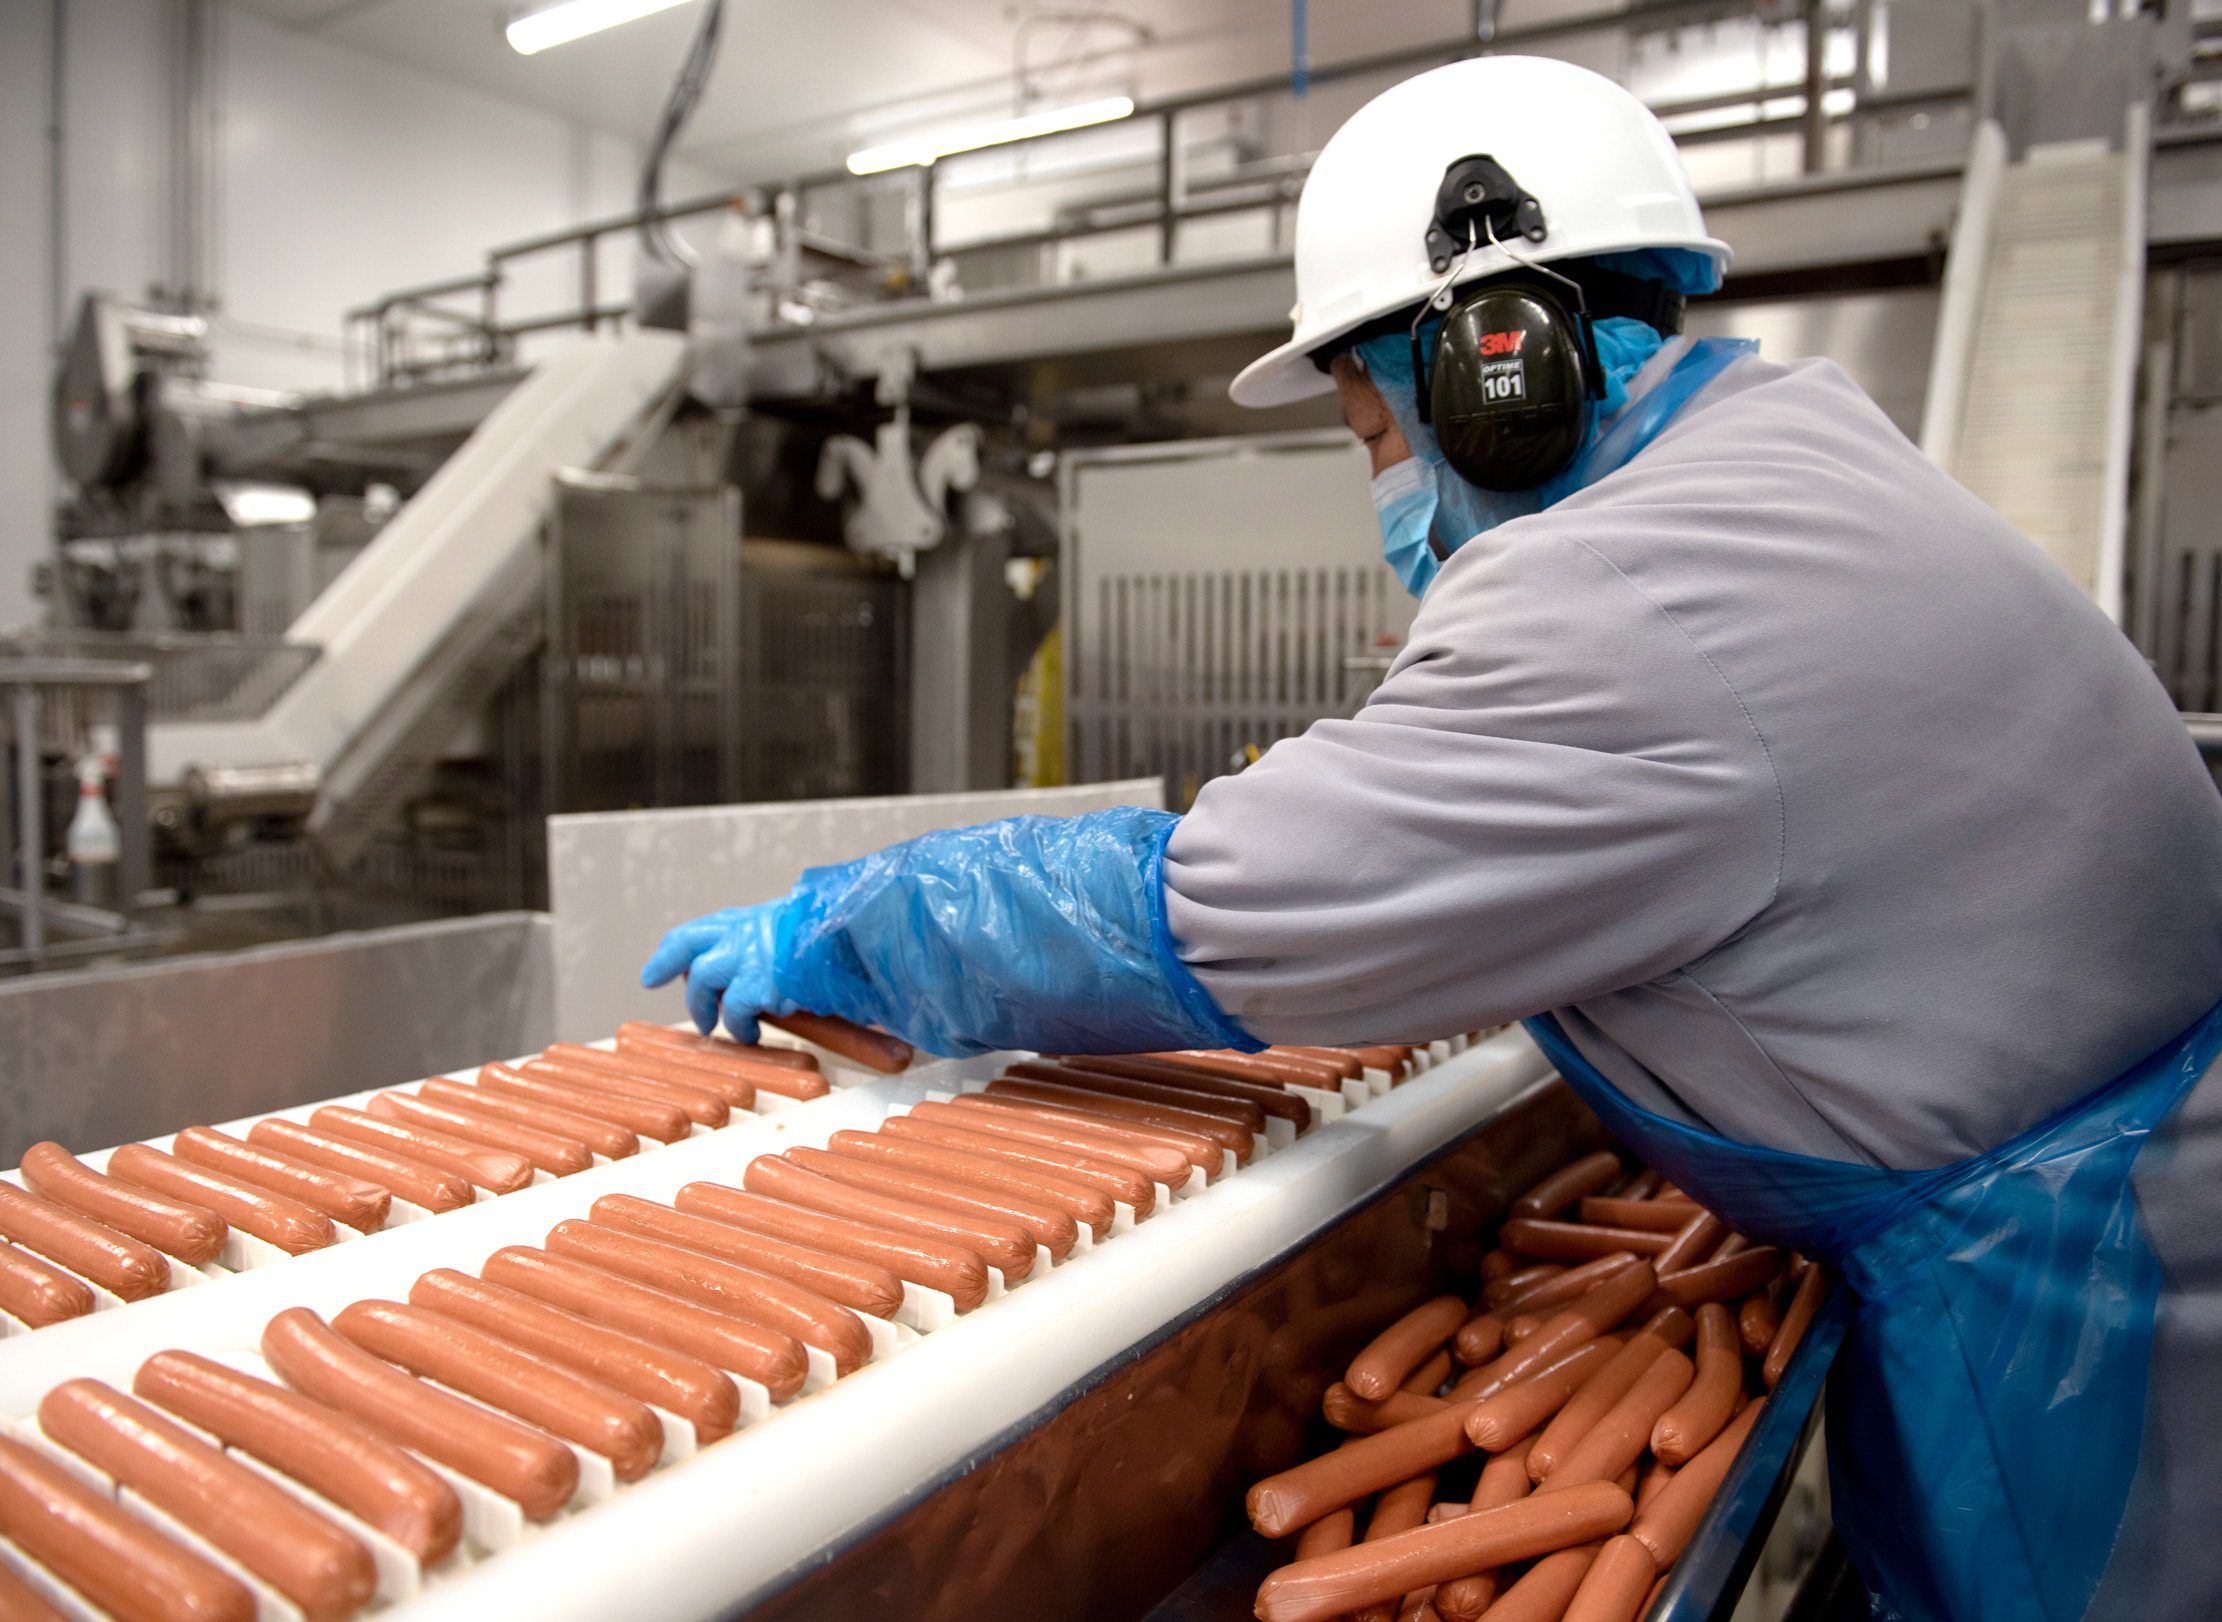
x=1619, y=1354
x=591, y=1345
x=436, y=1146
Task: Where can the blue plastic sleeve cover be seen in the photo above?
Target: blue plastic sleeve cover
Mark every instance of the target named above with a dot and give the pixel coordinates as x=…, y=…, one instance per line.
x=1035, y=932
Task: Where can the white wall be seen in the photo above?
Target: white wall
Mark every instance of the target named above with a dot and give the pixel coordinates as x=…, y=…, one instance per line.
x=338, y=177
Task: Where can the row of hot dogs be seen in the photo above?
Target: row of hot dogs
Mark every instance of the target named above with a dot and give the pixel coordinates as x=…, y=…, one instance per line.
x=638, y=1323
x=1546, y=1451
x=130, y=1228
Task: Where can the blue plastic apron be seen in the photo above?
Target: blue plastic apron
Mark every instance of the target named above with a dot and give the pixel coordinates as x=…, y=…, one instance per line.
x=1986, y=1412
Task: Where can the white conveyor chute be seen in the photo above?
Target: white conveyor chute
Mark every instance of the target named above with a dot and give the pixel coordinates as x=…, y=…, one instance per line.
x=439, y=569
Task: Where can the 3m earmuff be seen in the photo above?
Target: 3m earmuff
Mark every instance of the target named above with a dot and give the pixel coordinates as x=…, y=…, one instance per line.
x=1514, y=364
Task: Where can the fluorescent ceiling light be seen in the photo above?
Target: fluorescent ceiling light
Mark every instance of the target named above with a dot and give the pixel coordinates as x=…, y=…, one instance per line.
x=925, y=149
x=250, y=505
x=575, y=19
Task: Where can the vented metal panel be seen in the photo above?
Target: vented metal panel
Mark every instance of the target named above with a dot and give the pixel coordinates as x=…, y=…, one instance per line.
x=1219, y=596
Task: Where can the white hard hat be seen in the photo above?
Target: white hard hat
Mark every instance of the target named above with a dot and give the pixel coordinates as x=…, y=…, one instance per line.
x=1601, y=169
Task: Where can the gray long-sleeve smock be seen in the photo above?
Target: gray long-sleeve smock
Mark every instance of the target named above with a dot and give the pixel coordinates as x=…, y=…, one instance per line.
x=1821, y=807
x=1818, y=802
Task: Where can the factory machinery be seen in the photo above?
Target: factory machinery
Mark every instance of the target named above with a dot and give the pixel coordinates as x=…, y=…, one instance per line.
x=541, y=561
x=1066, y=1431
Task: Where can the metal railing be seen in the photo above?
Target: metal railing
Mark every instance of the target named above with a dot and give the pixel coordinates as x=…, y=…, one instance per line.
x=191, y=675
x=459, y=324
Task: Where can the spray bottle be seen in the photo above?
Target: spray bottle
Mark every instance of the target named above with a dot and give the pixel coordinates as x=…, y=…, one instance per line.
x=94, y=843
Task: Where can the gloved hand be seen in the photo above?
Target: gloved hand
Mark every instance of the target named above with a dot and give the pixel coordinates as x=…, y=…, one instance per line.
x=1035, y=932
x=727, y=957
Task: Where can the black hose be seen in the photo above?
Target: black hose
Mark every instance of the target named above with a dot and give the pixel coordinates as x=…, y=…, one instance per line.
x=686, y=90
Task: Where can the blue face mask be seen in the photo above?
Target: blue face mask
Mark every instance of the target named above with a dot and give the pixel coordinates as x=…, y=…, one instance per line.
x=1404, y=501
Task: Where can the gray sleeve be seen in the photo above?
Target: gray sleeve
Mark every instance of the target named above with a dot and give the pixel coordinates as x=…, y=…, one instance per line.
x=1553, y=795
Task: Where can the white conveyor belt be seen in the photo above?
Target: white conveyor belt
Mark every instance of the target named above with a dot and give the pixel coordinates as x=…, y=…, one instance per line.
x=707, y=1533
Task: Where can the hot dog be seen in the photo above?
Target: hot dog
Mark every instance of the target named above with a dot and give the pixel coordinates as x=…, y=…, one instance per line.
x=1618, y=1211
x=1692, y=1242
x=1350, y=1066
x=1327, y=1534
x=1478, y=1339
x=188, y=1232
x=862, y=1286
x=1399, y=1509
x=1596, y=1396
x=1313, y=1590
x=320, y=1447
x=605, y=1138
x=323, y=1570
x=773, y=1360
x=20, y=1602
x=1565, y=1187
x=1428, y=1378
x=361, y=1205
x=467, y=1359
x=594, y=1068
x=1546, y=1588
x=641, y=1031
x=1725, y=1280
x=1563, y=1285
x=1515, y=1276
x=663, y=1067
x=1119, y=1182
x=92, y=1250
x=956, y=1270
x=1670, y=1520
x=1170, y=1084
x=496, y=1170
x=1077, y=1200
x=720, y=1285
x=1705, y=1409
x=1044, y=1223
x=1614, y=1587
x=1277, y=1064
x=34, y=1291
x=1243, y=1112
x=1224, y=1134
x=1157, y=1162
x=1618, y=1439
x=275, y=1218
x=1003, y=1244
x=1500, y=1420
x=1395, y=1060
x=1203, y=1154
x=1796, y=1319
x=1404, y=1345
x=106, y=1553
x=523, y=1464
x=1296, y=1497
x=1653, y=1482
x=737, y=1074
x=666, y=1123
x=416, y=1181
x=875, y=1050
x=1757, y=1321
x=545, y=1151
x=1595, y=1312
x=1347, y=1411
x=1504, y=1480
x=672, y=1380
x=1578, y=1241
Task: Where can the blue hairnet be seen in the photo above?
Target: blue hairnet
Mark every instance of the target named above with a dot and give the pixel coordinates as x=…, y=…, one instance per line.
x=1624, y=345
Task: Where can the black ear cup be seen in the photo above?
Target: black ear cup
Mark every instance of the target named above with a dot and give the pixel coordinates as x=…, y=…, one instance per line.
x=1513, y=376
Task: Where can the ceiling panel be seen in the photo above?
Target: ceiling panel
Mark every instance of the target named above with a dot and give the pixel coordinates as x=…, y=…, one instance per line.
x=799, y=85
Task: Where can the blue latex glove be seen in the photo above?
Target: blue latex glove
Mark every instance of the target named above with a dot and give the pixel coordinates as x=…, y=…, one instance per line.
x=727, y=959
x=1035, y=932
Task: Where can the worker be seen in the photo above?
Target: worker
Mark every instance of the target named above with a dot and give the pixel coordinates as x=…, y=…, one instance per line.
x=1847, y=861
